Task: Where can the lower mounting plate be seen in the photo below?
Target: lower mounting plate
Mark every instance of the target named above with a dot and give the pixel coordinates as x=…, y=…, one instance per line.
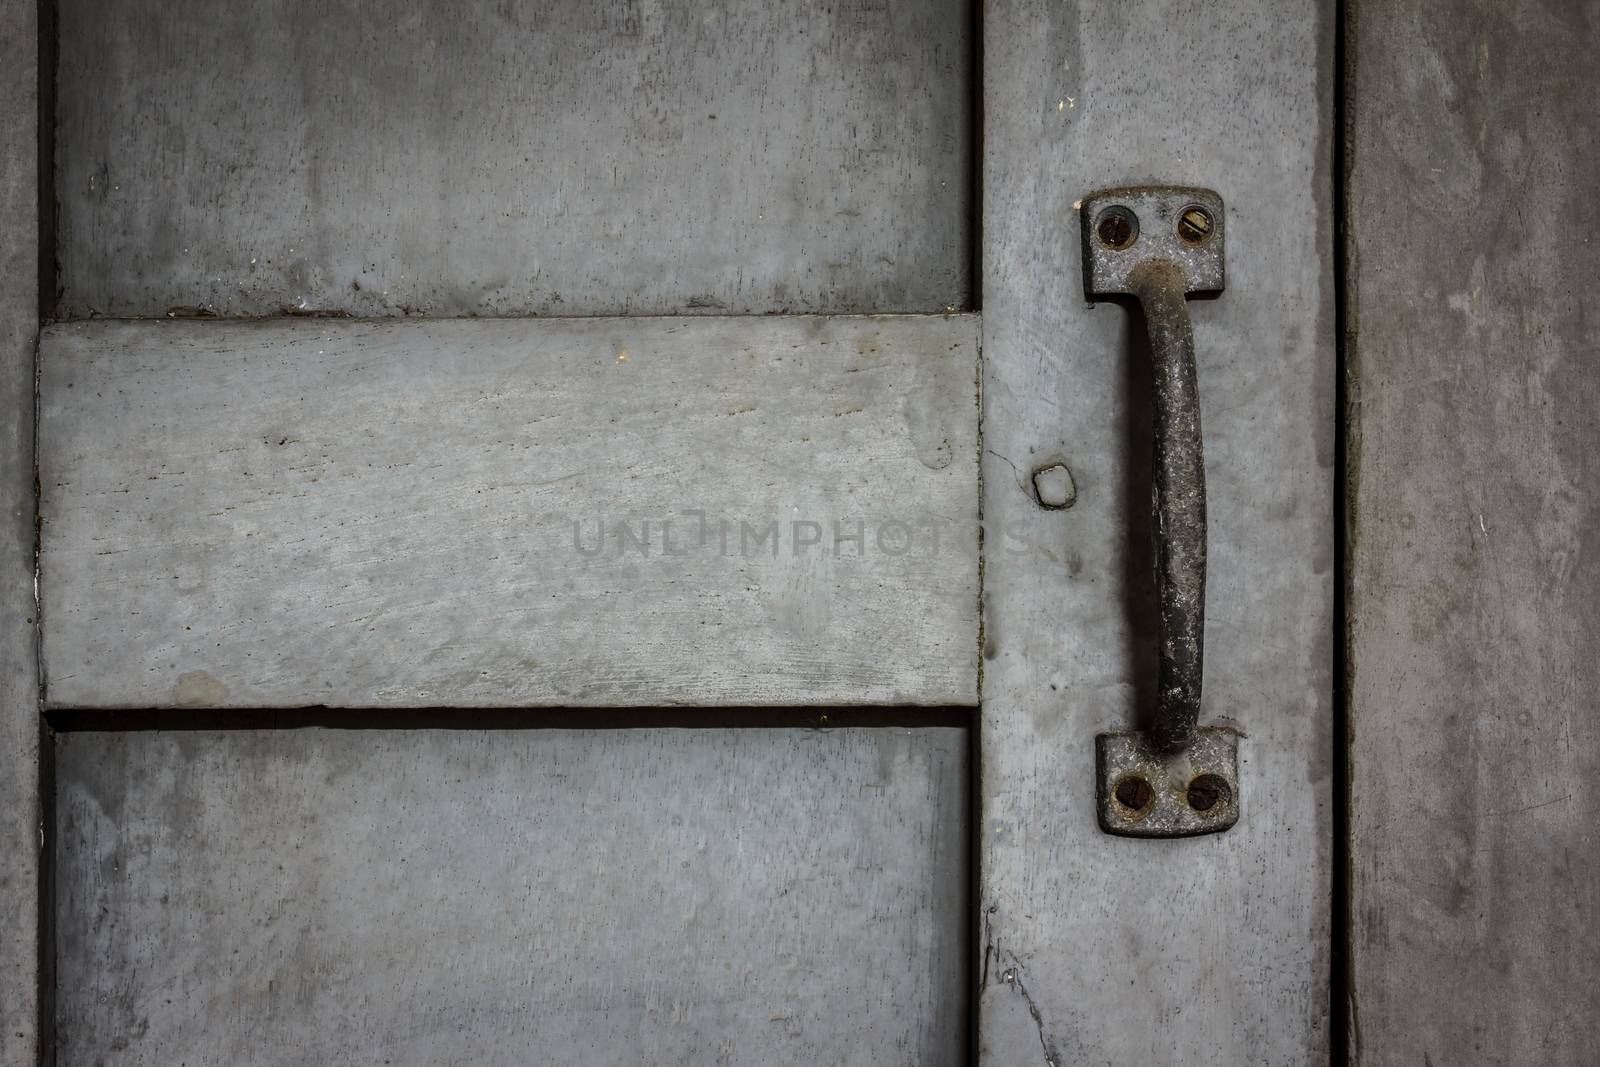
x=1145, y=793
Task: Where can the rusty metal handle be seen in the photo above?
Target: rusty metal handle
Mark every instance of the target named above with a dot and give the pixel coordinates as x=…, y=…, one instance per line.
x=1159, y=244
x=1180, y=503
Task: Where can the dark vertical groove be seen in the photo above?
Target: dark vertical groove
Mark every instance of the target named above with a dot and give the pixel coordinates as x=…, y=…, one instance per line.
x=975, y=169
x=1340, y=985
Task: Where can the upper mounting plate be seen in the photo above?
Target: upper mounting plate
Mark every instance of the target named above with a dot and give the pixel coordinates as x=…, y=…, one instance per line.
x=1125, y=227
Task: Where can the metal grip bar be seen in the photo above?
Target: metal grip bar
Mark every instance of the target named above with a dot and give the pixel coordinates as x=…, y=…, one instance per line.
x=1177, y=778
x=1180, y=503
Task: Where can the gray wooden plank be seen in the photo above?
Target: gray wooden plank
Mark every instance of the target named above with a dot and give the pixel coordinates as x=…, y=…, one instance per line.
x=1101, y=949
x=21, y=828
x=510, y=897
x=566, y=158
x=404, y=514
x=1474, y=609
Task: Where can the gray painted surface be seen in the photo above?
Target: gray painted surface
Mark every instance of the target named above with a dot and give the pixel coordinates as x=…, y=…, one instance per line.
x=1475, y=600
x=1100, y=949
x=567, y=158
x=20, y=828
x=409, y=514
x=490, y=897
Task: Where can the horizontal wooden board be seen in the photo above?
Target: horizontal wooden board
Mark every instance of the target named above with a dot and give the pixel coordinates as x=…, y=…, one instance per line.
x=717, y=511
x=572, y=158
x=512, y=897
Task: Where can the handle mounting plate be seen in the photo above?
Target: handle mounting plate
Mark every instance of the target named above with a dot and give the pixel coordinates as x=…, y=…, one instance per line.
x=1160, y=243
x=1156, y=215
x=1192, y=791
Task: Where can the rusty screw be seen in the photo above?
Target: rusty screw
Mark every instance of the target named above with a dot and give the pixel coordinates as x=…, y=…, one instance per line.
x=1117, y=228
x=1207, y=791
x=1134, y=793
x=1194, y=225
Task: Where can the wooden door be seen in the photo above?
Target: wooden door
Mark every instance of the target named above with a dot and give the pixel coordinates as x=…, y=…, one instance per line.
x=541, y=555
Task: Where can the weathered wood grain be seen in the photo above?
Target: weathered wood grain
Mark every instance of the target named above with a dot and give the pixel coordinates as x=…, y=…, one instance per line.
x=566, y=158
x=21, y=827
x=1108, y=950
x=509, y=897
x=1474, y=610
x=509, y=513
